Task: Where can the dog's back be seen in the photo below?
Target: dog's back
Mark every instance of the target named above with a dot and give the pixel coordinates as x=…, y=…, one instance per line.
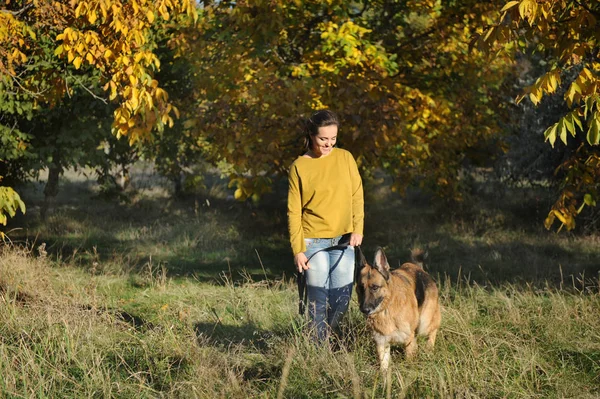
x=426, y=293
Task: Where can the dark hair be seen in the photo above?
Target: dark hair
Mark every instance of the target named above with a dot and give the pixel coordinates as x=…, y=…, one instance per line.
x=319, y=119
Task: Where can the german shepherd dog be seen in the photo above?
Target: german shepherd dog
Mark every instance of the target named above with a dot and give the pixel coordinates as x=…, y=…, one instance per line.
x=399, y=304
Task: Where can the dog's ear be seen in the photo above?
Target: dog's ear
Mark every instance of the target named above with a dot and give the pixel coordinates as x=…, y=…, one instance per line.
x=360, y=262
x=381, y=264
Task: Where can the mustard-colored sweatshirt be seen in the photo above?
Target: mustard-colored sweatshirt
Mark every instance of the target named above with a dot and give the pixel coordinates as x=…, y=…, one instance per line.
x=325, y=198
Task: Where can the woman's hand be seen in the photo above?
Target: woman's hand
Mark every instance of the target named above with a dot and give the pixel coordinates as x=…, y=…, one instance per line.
x=301, y=262
x=355, y=239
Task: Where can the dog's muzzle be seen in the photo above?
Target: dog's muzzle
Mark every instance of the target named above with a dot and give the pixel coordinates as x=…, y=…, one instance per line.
x=370, y=308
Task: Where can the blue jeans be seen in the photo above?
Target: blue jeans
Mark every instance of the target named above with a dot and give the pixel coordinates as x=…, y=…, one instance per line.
x=329, y=284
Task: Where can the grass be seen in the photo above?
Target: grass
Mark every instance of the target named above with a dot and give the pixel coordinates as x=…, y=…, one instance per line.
x=153, y=297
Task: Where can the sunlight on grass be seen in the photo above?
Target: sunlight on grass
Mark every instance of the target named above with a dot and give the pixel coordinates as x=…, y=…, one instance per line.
x=160, y=298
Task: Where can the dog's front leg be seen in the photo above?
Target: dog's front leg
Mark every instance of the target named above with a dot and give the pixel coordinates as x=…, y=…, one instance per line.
x=383, y=350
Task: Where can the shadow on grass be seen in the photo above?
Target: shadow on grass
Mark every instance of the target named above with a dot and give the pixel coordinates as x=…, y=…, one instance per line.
x=494, y=241
x=587, y=362
x=225, y=335
x=137, y=322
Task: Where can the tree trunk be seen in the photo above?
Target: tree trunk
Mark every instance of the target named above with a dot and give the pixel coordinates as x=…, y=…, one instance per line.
x=50, y=190
x=177, y=185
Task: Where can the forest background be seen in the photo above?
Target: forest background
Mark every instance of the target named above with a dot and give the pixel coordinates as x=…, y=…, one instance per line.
x=475, y=126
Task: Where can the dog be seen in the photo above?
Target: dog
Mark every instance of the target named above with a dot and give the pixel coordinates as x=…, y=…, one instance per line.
x=399, y=304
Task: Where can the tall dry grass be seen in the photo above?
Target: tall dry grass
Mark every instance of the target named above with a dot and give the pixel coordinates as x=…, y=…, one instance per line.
x=64, y=333
x=157, y=298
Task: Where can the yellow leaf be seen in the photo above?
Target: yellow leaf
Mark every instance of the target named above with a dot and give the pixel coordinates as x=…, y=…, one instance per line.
x=560, y=216
x=508, y=5
x=78, y=62
x=92, y=17
x=534, y=98
x=79, y=9
x=549, y=221
x=113, y=90
x=134, y=101
x=553, y=84
x=150, y=16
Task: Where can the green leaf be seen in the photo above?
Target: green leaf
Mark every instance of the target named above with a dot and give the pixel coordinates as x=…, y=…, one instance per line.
x=550, y=134
x=589, y=200
x=563, y=131
x=10, y=201
x=593, y=134
x=568, y=123
x=575, y=119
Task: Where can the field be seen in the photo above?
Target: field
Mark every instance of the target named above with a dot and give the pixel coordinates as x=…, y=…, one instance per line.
x=145, y=296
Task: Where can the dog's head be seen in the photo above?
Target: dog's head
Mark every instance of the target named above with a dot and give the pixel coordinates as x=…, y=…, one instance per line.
x=372, y=283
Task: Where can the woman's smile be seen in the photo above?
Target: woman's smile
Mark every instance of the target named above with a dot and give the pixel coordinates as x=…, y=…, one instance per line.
x=324, y=141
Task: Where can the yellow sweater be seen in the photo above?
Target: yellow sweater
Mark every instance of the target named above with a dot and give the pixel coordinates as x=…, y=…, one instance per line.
x=325, y=198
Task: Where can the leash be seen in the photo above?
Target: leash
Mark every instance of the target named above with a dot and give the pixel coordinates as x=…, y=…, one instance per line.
x=301, y=276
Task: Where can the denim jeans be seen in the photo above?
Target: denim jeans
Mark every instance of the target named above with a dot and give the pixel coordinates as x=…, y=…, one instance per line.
x=329, y=284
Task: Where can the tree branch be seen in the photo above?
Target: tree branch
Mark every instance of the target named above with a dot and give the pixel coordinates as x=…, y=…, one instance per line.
x=18, y=12
x=588, y=9
x=93, y=94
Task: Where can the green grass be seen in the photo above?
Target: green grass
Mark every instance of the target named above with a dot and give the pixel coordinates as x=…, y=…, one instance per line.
x=154, y=297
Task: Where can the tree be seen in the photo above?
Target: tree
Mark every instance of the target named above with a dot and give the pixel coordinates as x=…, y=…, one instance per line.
x=51, y=50
x=566, y=32
x=412, y=98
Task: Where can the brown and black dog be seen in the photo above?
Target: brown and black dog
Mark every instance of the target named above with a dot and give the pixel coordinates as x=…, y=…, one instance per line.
x=399, y=304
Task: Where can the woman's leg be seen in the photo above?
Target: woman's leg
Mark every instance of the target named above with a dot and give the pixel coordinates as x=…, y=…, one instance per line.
x=317, y=281
x=340, y=284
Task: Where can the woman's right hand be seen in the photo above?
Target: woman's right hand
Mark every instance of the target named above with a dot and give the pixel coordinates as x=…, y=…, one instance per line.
x=301, y=262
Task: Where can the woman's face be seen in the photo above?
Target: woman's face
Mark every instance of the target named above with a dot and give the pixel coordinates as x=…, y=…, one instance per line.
x=323, y=142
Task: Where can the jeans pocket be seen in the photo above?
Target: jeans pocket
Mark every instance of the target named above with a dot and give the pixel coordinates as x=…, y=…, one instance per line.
x=308, y=242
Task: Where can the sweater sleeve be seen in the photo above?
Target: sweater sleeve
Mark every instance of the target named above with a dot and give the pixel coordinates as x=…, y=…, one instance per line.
x=358, y=211
x=294, y=212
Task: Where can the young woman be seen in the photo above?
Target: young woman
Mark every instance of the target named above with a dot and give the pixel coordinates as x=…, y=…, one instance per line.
x=325, y=208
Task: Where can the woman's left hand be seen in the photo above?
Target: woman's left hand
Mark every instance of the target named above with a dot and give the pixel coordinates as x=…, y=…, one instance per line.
x=355, y=239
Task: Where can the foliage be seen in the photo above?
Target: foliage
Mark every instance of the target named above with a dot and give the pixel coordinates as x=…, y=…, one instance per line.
x=10, y=201
x=411, y=98
x=51, y=53
x=566, y=32
x=174, y=150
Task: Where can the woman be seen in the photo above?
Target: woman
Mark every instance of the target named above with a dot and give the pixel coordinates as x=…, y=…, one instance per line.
x=325, y=208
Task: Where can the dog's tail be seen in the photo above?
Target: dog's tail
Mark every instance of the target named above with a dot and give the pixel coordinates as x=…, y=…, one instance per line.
x=418, y=256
